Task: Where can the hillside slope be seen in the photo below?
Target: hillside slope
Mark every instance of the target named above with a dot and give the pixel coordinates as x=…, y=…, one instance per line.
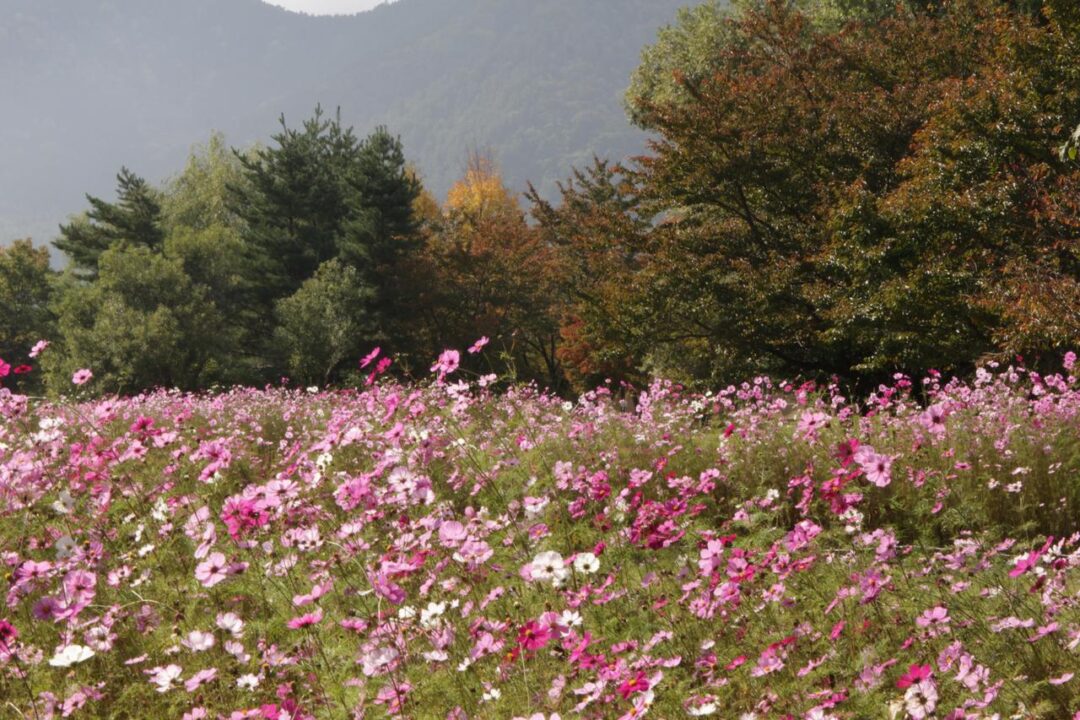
x=94, y=85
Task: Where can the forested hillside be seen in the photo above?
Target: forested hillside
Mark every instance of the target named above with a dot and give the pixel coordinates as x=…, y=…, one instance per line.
x=89, y=86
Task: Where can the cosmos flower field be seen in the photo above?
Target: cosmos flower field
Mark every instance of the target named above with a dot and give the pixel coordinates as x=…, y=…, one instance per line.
x=443, y=550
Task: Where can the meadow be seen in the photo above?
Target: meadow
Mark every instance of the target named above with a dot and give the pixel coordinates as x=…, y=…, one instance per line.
x=447, y=550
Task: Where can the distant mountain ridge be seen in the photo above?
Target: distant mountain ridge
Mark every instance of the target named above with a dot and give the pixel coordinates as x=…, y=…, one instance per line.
x=90, y=85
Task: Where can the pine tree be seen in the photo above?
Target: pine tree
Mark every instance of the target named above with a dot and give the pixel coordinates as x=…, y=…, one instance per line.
x=133, y=220
x=318, y=194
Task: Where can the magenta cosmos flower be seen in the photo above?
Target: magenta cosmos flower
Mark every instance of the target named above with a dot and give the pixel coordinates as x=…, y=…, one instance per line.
x=447, y=363
x=305, y=620
x=81, y=377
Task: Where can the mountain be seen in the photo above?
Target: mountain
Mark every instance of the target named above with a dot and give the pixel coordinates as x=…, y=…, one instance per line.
x=90, y=85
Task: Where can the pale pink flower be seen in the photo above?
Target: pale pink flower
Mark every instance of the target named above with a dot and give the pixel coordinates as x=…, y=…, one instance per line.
x=200, y=678
x=878, y=468
x=198, y=641
x=212, y=570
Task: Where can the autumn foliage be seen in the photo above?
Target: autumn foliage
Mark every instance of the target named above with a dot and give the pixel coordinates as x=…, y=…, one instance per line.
x=852, y=199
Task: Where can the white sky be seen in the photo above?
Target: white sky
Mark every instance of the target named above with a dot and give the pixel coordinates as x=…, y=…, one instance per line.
x=326, y=7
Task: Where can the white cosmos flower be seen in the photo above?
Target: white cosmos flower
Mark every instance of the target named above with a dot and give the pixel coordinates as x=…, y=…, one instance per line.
x=586, y=563
x=547, y=566
x=231, y=623
x=65, y=504
x=247, y=682
x=429, y=616
x=71, y=655
x=64, y=547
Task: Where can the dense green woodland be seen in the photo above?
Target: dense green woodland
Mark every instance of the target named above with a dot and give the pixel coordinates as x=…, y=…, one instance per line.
x=835, y=188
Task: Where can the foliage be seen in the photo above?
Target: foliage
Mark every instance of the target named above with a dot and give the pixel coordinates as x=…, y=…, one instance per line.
x=854, y=200
x=324, y=323
x=133, y=220
x=198, y=198
x=141, y=324
x=24, y=296
x=317, y=194
x=487, y=273
x=601, y=330
x=320, y=193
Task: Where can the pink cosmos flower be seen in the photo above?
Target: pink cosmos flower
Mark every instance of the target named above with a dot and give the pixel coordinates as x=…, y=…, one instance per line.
x=478, y=345
x=915, y=674
x=8, y=633
x=38, y=348
x=212, y=570
x=878, y=468
x=305, y=620
x=81, y=377
x=846, y=452
x=387, y=588
x=5, y=368
x=369, y=358
x=933, y=419
x=933, y=616
x=447, y=363
x=935, y=621
x=1030, y=560
x=810, y=422
x=200, y=678
x=533, y=635
x=637, y=684
x=452, y=533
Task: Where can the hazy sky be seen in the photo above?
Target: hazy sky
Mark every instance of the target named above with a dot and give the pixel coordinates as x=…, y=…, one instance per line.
x=326, y=7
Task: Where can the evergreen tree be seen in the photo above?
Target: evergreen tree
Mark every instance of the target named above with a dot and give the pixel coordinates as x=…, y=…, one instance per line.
x=319, y=193
x=380, y=190
x=294, y=203
x=135, y=219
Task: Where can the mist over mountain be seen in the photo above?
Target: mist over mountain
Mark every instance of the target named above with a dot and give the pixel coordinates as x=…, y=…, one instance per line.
x=91, y=85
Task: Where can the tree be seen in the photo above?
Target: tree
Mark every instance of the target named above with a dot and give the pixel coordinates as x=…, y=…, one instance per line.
x=135, y=219
x=381, y=226
x=848, y=200
x=24, y=294
x=318, y=194
x=293, y=203
x=324, y=323
x=491, y=275
x=481, y=194
x=321, y=193
x=141, y=324
x=600, y=235
x=198, y=197
x=206, y=235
